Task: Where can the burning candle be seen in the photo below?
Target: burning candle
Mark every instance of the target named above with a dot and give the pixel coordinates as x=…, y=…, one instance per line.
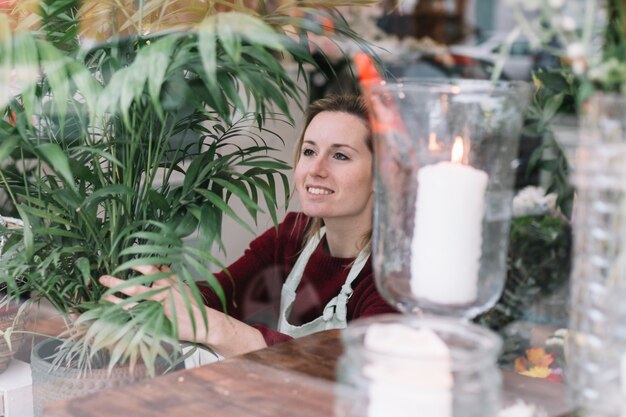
x=447, y=238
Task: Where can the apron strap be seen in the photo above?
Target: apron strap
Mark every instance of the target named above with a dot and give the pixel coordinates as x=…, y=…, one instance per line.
x=334, y=315
x=341, y=303
x=288, y=291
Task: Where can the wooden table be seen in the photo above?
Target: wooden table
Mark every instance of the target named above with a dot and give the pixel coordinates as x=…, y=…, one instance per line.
x=290, y=379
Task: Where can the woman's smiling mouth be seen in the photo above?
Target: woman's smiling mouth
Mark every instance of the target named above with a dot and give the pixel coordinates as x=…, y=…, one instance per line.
x=319, y=191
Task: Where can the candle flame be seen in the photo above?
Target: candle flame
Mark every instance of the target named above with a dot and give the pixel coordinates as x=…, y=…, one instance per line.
x=457, y=150
x=433, y=145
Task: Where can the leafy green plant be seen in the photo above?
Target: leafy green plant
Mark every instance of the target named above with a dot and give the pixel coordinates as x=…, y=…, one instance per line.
x=110, y=124
x=590, y=40
x=538, y=264
x=557, y=94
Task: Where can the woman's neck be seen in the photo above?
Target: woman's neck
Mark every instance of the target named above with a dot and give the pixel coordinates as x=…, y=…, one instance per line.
x=345, y=240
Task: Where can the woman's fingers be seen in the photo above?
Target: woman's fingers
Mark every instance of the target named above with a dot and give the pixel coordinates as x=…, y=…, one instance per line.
x=109, y=281
x=118, y=285
x=116, y=300
x=151, y=270
x=157, y=289
x=148, y=269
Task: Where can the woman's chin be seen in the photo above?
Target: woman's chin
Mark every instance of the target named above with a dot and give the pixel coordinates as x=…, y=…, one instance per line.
x=314, y=212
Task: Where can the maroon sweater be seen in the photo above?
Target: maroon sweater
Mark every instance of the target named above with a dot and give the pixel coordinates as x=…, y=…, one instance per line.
x=271, y=257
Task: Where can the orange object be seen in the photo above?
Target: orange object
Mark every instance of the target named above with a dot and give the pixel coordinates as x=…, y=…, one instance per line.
x=12, y=118
x=365, y=69
x=328, y=24
x=385, y=117
x=537, y=364
x=386, y=121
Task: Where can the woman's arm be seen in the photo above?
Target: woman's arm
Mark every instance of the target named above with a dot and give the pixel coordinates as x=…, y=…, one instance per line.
x=226, y=335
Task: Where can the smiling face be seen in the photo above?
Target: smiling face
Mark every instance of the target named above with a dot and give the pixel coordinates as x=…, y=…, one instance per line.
x=333, y=175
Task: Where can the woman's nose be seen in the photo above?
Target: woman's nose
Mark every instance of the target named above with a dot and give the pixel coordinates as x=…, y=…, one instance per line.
x=319, y=167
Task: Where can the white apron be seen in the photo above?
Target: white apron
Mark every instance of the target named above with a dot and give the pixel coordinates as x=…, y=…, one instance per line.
x=335, y=312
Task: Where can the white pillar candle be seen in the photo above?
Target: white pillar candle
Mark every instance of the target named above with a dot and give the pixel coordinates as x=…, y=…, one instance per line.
x=410, y=374
x=447, y=239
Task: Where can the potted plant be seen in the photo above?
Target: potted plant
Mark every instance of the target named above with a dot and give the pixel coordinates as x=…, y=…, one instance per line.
x=107, y=117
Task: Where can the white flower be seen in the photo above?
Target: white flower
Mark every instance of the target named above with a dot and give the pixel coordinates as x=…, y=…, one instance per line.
x=576, y=53
x=549, y=202
x=567, y=23
x=554, y=341
x=533, y=201
x=575, y=50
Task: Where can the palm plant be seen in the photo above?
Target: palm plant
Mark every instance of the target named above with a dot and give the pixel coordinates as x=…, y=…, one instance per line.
x=114, y=109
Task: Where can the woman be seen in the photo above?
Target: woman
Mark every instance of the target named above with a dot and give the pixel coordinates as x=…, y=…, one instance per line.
x=321, y=254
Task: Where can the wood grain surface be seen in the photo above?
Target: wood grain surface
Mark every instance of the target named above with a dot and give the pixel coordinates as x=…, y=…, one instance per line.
x=293, y=379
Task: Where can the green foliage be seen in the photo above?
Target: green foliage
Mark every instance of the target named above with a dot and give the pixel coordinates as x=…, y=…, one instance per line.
x=538, y=264
x=59, y=23
x=110, y=127
x=609, y=74
x=557, y=93
x=594, y=63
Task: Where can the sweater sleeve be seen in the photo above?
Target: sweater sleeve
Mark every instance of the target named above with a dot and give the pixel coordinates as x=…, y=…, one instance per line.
x=265, y=256
x=258, y=259
x=271, y=336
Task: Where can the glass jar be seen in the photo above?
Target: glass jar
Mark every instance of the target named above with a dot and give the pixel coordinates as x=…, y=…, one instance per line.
x=597, y=337
x=463, y=381
x=445, y=159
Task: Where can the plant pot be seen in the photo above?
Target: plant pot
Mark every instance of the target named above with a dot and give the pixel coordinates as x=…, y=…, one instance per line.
x=52, y=383
x=8, y=320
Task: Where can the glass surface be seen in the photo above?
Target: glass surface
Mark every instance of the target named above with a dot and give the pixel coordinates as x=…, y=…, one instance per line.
x=418, y=381
x=598, y=282
x=445, y=160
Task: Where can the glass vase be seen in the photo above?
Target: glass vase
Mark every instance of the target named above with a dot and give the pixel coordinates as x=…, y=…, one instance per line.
x=597, y=337
x=416, y=380
x=445, y=159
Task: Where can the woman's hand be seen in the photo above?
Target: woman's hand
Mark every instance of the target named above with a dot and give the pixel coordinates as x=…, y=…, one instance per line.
x=227, y=335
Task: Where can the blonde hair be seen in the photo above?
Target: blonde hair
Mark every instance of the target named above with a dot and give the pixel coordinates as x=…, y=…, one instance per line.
x=350, y=104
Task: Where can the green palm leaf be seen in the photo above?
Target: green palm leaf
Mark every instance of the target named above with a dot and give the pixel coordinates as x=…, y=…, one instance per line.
x=113, y=126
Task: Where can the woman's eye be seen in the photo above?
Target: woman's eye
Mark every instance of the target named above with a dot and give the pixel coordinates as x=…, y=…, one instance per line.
x=308, y=152
x=341, y=157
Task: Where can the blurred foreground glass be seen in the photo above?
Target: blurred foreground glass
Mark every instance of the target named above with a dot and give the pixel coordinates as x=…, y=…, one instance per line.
x=597, y=339
x=460, y=379
x=445, y=161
